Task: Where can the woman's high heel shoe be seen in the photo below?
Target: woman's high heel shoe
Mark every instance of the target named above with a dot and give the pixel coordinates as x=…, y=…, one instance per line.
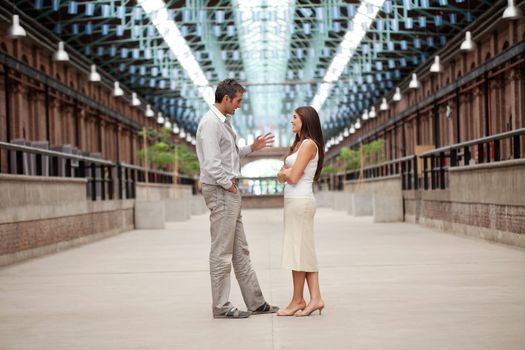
x=292, y=312
x=302, y=313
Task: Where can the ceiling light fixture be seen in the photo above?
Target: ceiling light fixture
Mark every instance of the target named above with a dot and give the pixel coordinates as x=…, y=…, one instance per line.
x=16, y=31
x=414, y=83
x=117, y=91
x=149, y=112
x=512, y=11
x=372, y=113
x=365, y=115
x=397, y=95
x=94, y=77
x=134, y=99
x=60, y=54
x=468, y=45
x=436, y=67
x=160, y=118
x=384, y=104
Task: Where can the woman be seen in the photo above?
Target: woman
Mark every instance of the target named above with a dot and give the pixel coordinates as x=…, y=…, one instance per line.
x=303, y=164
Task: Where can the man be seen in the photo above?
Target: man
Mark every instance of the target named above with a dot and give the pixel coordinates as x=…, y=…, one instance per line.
x=220, y=169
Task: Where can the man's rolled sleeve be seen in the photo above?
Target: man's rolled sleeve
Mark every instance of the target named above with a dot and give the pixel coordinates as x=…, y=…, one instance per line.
x=244, y=151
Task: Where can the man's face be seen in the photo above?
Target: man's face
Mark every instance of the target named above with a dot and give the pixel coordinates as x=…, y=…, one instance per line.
x=232, y=104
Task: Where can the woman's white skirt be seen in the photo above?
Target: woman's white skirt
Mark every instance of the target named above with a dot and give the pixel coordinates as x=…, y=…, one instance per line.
x=298, y=242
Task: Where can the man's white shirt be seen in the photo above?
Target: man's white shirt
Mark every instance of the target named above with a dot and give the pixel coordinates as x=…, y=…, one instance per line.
x=217, y=149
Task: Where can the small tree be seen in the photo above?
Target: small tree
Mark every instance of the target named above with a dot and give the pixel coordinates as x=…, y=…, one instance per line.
x=160, y=149
x=327, y=169
x=186, y=160
x=164, y=153
x=373, y=152
x=350, y=159
x=377, y=151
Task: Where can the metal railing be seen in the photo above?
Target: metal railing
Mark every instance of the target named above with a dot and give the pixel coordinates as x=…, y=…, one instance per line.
x=406, y=167
x=154, y=176
x=25, y=160
x=429, y=171
x=495, y=148
x=104, y=178
x=258, y=186
x=188, y=180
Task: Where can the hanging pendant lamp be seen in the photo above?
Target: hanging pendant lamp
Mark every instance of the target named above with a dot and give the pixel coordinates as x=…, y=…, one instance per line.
x=468, y=45
x=512, y=11
x=94, y=77
x=117, y=90
x=384, y=105
x=60, y=54
x=16, y=31
x=414, y=83
x=436, y=67
x=397, y=95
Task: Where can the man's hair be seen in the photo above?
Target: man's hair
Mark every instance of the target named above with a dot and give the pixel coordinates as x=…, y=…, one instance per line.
x=228, y=87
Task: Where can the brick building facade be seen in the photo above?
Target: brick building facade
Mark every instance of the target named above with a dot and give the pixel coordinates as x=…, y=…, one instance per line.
x=68, y=121
x=491, y=104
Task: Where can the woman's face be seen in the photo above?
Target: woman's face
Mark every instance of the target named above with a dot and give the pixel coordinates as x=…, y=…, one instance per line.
x=297, y=124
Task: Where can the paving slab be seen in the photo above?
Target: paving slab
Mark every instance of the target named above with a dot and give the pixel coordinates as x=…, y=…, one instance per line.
x=386, y=286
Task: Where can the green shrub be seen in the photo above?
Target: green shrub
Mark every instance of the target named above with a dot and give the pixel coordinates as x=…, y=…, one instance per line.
x=163, y=153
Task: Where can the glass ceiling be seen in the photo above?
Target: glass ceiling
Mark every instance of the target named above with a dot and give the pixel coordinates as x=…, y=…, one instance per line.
x=342, y=57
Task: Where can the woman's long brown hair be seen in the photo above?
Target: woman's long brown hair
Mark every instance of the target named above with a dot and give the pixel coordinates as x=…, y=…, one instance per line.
x=311, y=129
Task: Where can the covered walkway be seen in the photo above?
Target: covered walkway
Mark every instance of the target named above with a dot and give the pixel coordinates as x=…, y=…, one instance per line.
x=386, y=286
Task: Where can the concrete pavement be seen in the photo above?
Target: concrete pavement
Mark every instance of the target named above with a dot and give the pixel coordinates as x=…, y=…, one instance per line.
x=386, y=286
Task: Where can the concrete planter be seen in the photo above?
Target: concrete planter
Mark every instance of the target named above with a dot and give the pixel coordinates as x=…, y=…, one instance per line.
x=198, y=206
x=362, y=204
x=149, y=215
x=178, y=209
x=340, y=200
x=350, y=203
x=324, y=199
x=387, y=208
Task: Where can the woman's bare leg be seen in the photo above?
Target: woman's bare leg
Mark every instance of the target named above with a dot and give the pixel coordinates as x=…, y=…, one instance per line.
x=298, y=301
x=316, y=302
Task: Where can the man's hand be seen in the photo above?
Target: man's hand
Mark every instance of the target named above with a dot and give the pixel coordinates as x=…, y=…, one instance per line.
x=262, y=141
x=232, y=189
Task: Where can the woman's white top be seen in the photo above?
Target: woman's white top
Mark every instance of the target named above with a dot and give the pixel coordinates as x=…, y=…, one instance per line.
x=303, y=188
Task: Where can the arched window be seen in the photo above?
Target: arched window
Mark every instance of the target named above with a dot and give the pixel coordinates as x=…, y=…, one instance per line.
x=24, y=59
x=43, y=68
x=505, y=46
